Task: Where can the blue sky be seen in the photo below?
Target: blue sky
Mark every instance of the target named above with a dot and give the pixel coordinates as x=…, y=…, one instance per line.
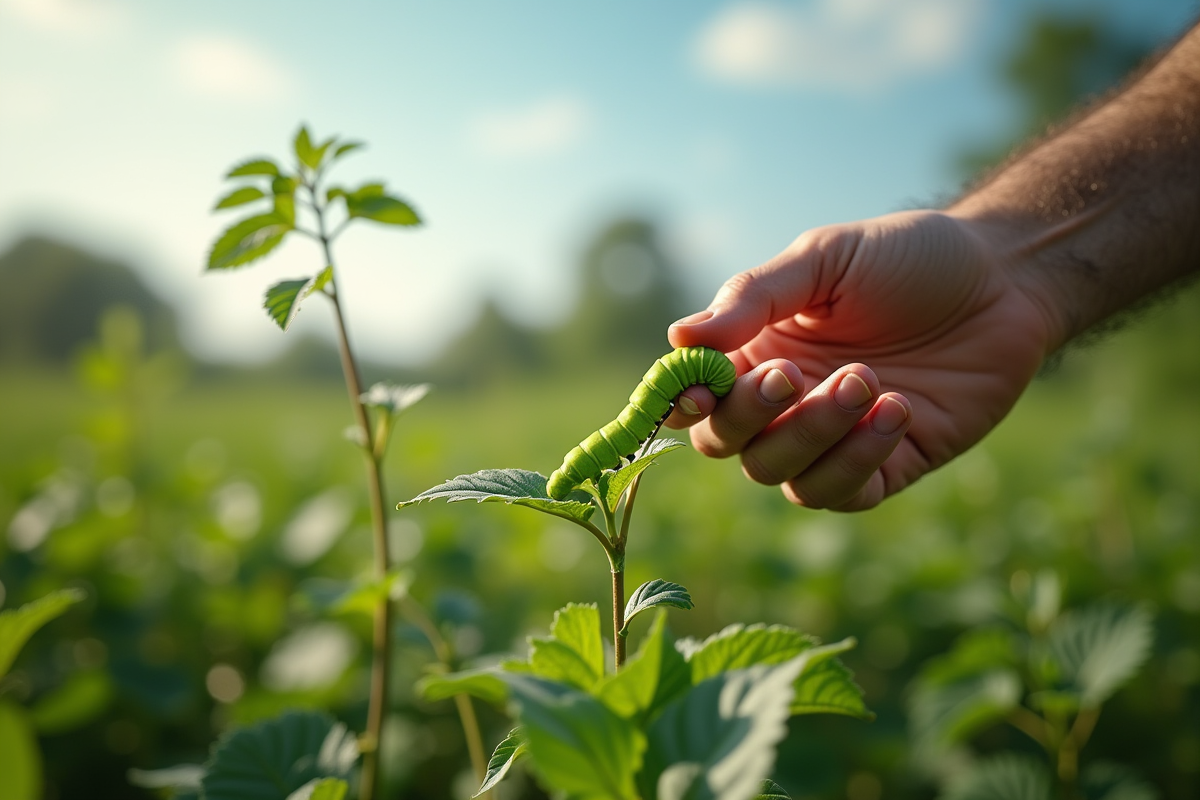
x=516, y=128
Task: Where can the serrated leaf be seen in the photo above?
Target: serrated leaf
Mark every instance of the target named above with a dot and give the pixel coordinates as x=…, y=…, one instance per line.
x=485, y=684
x=282, y=301
x=612, y=483
x=17, y=625
x=946, y=713
x=382, y=208
x=1003, y=777
x=321, y=280
x=654, y=676
x=1100, y=648
x=718, y=740
x=772, y=791
x=82, y=698
x=247, y=240
x=394, y=398
x=656, y=593
x=278, y=756
x=576, y=744
x=1103, y=780
x=510, y=486
x=239, y=197
x=826, y=686
x=323, y=789
x=737, y=646
x=20, y=758
x=556, y=661
x=503, y=757
x=257, y=166
x=577, y=625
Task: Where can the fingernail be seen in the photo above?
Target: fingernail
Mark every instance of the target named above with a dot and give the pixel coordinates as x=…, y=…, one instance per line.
x=699, y=316
x=888, y=418
x=688, y=406
x=852, y=392
x=775, y=387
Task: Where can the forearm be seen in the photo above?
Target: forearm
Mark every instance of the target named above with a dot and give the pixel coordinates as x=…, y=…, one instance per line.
x=1107, y=211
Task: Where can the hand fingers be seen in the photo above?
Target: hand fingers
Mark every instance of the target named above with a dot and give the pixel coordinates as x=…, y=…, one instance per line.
x=784, y=286
x=756, y=400
x=816, y=424
x=848, y=476
x=696, y=403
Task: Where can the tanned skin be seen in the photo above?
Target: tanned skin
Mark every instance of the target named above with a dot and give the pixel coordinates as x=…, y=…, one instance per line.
x=954, y=311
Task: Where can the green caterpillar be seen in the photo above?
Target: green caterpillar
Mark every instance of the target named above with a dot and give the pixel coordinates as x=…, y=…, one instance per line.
x=648, y=406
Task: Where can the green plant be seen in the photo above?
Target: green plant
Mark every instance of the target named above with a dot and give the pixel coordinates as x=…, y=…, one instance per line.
x=301, y=200
x=677, y=719
x=1049, y=679
x=20, y=757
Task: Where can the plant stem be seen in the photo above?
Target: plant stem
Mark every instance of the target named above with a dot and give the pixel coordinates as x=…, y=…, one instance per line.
x=1031, y=725
x=1068, y=754
x=618, y=598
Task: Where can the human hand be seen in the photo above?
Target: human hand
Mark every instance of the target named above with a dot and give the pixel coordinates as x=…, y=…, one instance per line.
x=952, y=334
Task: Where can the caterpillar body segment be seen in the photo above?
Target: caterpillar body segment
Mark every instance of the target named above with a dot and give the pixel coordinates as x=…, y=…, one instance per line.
x=648, y=407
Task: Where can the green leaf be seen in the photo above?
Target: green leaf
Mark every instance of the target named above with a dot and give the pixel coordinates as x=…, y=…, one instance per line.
x=80, y=700
x=20, y=759
x=718, y=740
x=577, y=625
x=394, y=398
x=276, y=757
x=1103, y=780
x=248, y=240
x=348, y=147
x=284, y=185
x=385, y=209
x=651, y=678
x=655, y=593
x=503, y=757
x=306, y=154
x=181, y=776
x=1101, y=647
x=772, y=791
x=510, y=486
x=239, y=197
x=974, y=653
x=952, y=712
x=333, y=193
x=738, y=646
x=826, y=686
x=1003, y=777
x=282, y=301
x=486, y=684
x=285, y=208
x=577, y=745
x=323, y=789
x=17, y=625
x=612, y=483
x=556, y=661
x=257, y=166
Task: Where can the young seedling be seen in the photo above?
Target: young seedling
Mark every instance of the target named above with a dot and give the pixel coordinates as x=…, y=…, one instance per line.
x=675, y=719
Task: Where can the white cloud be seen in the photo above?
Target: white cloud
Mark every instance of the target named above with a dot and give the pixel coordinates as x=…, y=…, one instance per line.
x=84, y=19
x=858, y=45
x=547, y=126
x=230, y=69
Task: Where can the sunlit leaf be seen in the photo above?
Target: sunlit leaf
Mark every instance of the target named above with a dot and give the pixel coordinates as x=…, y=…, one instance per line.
x=348, y=147
x=306, y=154
x=257, y=166
x=247, y=241
x=485, y=684
x=382, y=208
x=503, y=757
x=1101, y=647
x=239, y=197
x=826, y=686
x=395, y=398
x=613, y=483
x=577, y=625
x=321, y=789
x=656, y=593
x=510, y=486
x=556, y=661
x=576, y=744
x=738, y=646
x=650, y=678
x=772, y=791
x=718, y=740
x=20, y=758
x=1004, y=777
x=282, y=301
x=17, y=625
x=285, y=208
x=80, y=700
x=276, y=757
x=321, y=280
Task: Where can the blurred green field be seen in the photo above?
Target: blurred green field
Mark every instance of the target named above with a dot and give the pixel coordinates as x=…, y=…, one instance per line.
x=199, y=513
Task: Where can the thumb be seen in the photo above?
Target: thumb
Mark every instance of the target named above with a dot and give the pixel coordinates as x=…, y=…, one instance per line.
x=752, y=300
